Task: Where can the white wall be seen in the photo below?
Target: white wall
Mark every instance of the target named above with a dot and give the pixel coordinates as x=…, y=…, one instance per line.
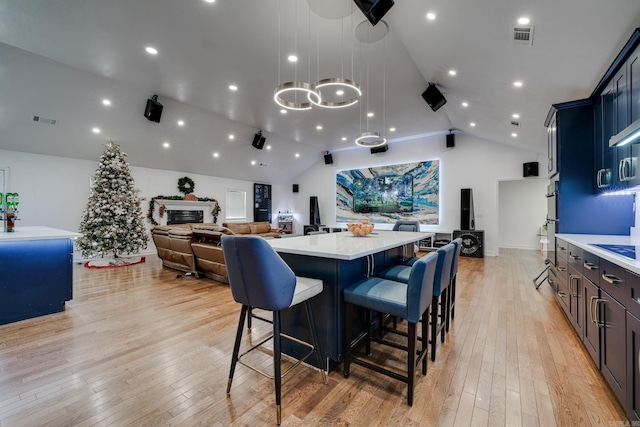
x=472, y=163
x=522, y=210
x=54, y=190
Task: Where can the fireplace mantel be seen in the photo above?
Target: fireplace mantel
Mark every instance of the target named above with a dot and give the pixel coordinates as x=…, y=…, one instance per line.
x=183, y=205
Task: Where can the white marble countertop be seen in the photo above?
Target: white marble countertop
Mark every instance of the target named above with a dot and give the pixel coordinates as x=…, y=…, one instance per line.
x=36, y=233
x=344, y=245
x=587, y=242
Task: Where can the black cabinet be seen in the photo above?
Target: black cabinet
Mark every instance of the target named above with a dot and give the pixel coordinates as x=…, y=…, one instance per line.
x=262, y=202
x=591, y=336
x=612, y=322
x=632, y=405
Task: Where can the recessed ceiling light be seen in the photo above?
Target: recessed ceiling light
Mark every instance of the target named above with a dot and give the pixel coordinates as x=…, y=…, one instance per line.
x=524, y=20
x=344, y=138
x=232, y=136
x=465, y=104
x=106, y=102
x=283, y=111
x=339, y=92
x=452, y=72
x=319, y=127
x=210, y=1
x=216, y=155
x=151, y=50
x=166, y=145
x=268, y=147
x=514, y=134
x=180, y=122
x=515, y=116
x=297, y=155
x=233, y=87
x=472, y=124
x=292, y=58
x=517, y=83
x=253, y=162
x=431, y=16
x=95, y=130
x=370, y=114
x=392, y=129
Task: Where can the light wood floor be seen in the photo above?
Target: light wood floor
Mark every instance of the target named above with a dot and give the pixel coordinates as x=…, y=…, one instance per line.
x=138, y=346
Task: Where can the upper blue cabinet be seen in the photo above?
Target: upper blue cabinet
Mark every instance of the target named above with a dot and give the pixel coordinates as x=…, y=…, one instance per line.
x=616, y=110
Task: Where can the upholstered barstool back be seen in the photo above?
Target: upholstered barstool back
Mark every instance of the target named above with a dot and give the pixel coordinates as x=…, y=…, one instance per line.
x=251, y=260
x=440, y=301
x=454, y=271
x=259, y=278
x=410, y=301
x=403, y=225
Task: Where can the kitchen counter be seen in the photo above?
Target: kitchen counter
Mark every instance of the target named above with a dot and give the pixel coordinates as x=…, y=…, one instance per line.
x=346, y=246
x=36, y=233
x=36, y=274
x=587, y=242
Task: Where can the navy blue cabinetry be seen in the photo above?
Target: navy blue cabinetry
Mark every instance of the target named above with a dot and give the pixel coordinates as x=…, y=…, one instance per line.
x=578, y=209
x=633, y=368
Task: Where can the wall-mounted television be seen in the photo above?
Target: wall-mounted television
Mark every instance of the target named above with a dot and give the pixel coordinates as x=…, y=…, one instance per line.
x=385, y=194
x=374, y=10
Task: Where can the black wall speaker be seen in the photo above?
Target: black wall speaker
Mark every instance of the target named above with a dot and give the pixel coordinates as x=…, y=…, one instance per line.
x=434, y=97
x=153, y=111
x=530, y=169
x=296, y=188
x=314, y=211
x=328, y=159
x=472, y=242
x=451, y=140
x=258, y=140
x=381, y=149
x=467, y=215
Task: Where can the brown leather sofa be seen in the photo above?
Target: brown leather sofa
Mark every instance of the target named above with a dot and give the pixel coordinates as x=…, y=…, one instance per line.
x=195, y=248
x=262, y=229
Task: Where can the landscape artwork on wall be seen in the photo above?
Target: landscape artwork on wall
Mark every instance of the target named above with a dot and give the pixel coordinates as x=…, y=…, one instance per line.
x=385, y=194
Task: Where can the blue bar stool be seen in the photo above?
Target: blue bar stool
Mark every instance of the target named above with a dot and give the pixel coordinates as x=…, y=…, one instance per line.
x=452, y=286
x=259, y=278
x=405, y=225
x=440, y=288
x=409, y=301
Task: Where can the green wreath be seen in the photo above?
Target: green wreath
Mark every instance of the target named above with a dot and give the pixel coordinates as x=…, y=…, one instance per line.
x=186, y=185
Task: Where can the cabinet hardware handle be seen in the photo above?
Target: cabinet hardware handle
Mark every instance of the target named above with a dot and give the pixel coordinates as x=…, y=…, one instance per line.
x=562, y=248
x=636, y=300
x=621, y=170
x=610, y=278
x=573, y=293
x=598, y=322
x=598, y=179
x=591, y=309
x=562, y=294
x=561, y=268
x=574, y=257
x=590, y=266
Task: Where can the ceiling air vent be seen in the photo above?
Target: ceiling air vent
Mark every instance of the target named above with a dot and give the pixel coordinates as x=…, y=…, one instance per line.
x=44, y=120
x=523, y=35
x=515, y=123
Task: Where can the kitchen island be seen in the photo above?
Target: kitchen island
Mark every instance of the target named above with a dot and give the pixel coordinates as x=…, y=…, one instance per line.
x=36, y=275
x=338, y=259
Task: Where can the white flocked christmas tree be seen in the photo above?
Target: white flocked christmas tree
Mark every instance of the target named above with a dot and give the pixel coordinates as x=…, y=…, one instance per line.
x=112, y=223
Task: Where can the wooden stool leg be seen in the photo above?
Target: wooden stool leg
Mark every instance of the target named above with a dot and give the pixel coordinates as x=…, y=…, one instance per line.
x=411, y=361
x=348, y=318
x=425, y=339
x=434, y=326
x=236, y=346
x=277, y=376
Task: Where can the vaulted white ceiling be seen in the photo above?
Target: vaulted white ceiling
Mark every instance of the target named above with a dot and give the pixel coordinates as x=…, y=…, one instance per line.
x=60, y=58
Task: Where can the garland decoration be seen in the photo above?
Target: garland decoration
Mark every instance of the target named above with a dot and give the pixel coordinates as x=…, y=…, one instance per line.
x=186, y=185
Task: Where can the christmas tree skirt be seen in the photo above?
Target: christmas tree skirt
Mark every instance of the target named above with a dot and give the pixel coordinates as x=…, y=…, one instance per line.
x=113, y=262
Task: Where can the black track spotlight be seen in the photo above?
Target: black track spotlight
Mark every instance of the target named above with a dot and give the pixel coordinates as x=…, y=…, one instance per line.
x=328, y=158
x=258, y=140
